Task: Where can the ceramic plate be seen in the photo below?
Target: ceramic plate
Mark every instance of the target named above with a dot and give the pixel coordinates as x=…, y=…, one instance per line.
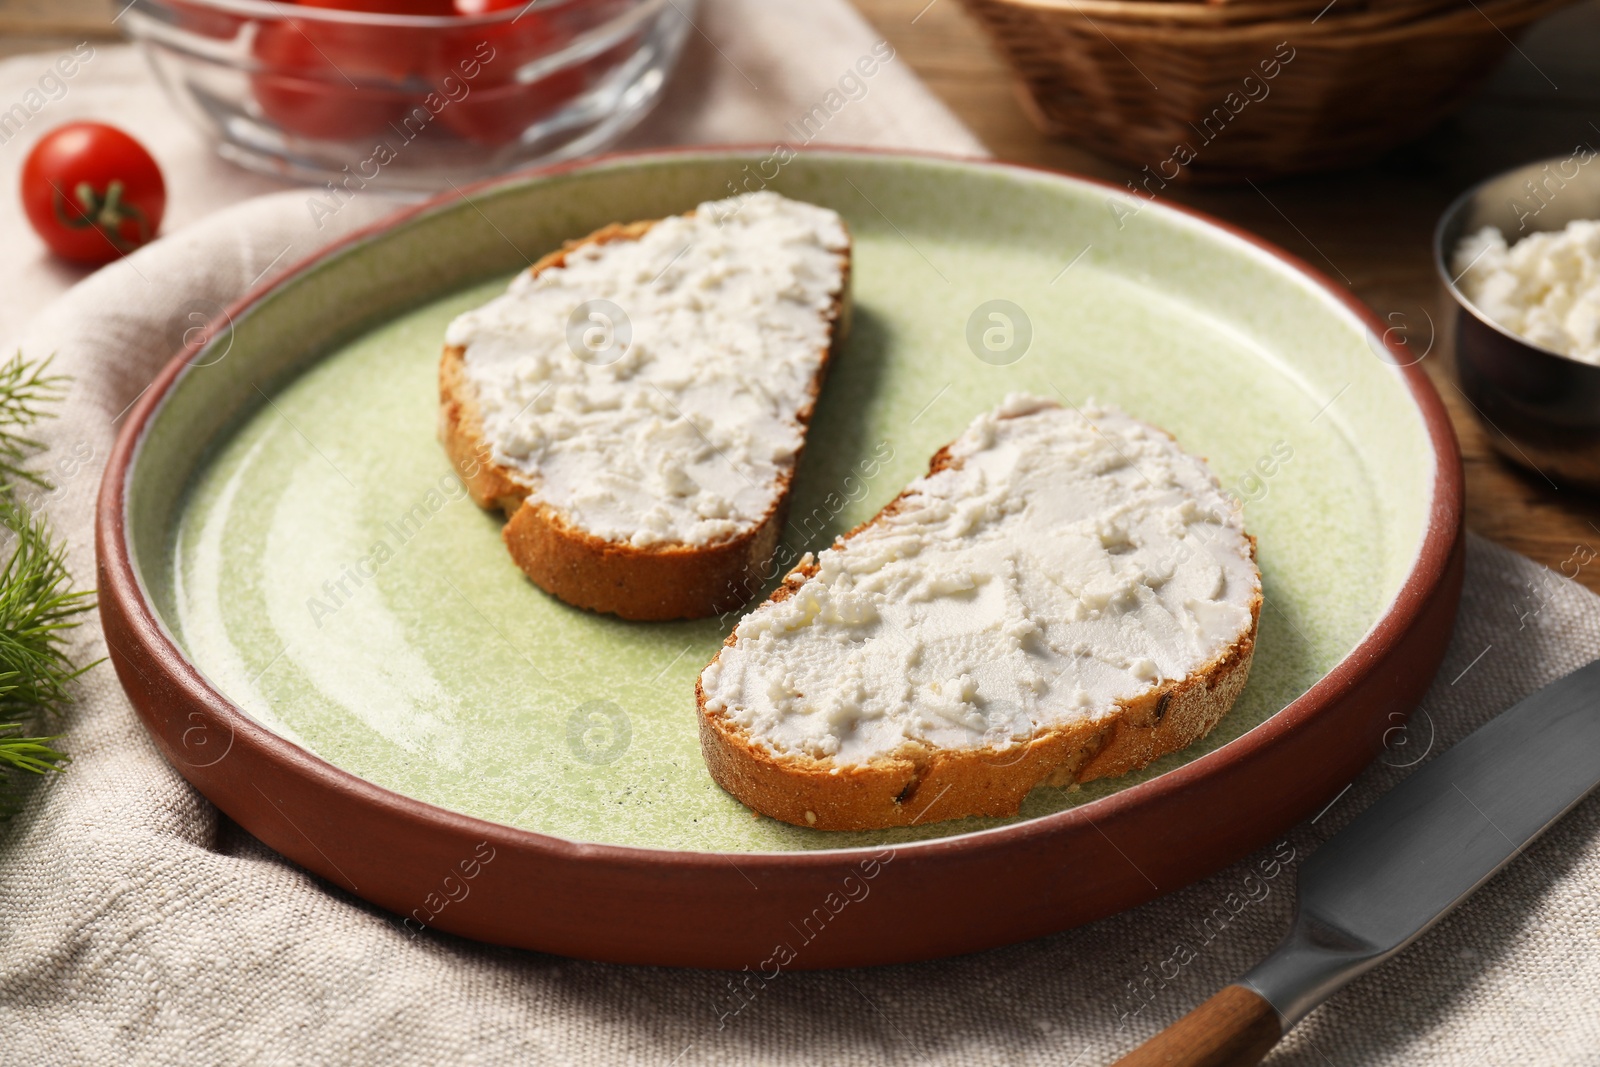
x=329, y=638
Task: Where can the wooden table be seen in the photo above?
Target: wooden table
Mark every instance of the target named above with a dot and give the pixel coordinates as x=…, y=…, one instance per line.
x=1370, y=226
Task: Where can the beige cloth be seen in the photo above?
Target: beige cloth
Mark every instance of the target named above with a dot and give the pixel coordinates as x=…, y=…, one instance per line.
x=138, y=926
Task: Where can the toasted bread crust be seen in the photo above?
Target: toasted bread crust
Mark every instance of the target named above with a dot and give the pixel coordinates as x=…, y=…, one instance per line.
x=653, y=583
x=931, y=784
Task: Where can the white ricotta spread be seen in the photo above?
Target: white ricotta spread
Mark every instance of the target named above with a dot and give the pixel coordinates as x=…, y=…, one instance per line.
x=1065, y=561
x=670, y=425
x=1545, y=288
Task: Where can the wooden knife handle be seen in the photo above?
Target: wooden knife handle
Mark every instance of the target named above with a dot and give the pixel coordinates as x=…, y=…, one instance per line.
x=1235, y=1028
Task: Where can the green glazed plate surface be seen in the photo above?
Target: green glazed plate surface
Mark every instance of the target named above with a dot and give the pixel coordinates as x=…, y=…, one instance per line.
x=306, y=542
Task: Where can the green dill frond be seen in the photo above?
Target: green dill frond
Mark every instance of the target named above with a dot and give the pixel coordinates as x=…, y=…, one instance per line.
x=25, y=390
x=31, y=754
x=37, y=606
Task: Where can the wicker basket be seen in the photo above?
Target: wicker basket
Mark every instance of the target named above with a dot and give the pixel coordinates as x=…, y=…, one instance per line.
x=1195, y=93
x=1353, y=15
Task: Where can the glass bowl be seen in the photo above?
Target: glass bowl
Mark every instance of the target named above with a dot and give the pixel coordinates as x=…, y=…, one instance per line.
x=359, y=99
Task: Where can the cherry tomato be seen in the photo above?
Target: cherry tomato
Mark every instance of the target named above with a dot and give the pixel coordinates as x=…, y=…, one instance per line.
x=318, y=82
x=92, y=192
x=497, y=114
x=476, y=68
x=343, y=80
x=390, y=53
x=386, y=7
x=489, y=53
x=347, y=52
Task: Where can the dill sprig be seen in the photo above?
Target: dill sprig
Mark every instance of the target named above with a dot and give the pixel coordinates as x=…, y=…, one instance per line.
x=25, y=389
x=32, y=754
x=38, y=604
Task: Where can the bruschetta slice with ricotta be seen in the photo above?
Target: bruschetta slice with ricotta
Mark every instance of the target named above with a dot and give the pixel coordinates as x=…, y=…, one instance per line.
x=637, y=402
x=1065, y=595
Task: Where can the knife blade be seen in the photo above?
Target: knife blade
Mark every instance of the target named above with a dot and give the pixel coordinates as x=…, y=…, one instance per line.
x=1402, y=864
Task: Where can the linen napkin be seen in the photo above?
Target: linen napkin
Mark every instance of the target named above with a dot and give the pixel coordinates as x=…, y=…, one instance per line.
x=139, y=926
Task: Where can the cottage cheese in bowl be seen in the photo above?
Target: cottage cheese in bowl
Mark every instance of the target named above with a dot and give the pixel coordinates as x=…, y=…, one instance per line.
x=1544, y=288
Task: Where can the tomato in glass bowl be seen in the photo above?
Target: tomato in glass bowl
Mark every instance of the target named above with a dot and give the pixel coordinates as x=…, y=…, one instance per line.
x=306, y=91
x=410, y=93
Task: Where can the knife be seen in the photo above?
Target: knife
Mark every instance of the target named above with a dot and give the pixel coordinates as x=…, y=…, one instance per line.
x=1401, y=866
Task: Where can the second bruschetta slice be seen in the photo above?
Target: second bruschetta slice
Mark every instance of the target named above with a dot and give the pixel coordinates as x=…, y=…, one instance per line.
x=1065, y=595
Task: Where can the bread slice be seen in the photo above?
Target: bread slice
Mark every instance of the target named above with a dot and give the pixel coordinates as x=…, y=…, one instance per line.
x=645, y=469
x=1066, y=595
